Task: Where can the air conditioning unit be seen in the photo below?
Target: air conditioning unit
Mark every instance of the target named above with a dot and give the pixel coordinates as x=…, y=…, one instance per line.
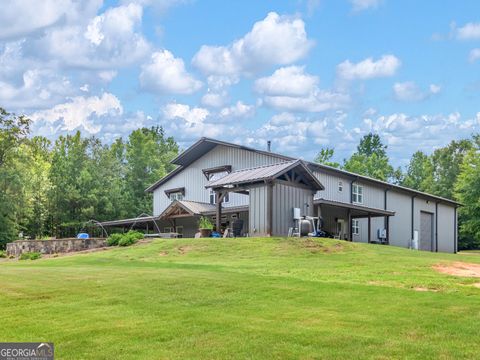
x=382, y=234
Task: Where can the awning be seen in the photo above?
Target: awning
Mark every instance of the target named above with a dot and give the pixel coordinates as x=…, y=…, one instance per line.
x=138, y=220
x=357, y=211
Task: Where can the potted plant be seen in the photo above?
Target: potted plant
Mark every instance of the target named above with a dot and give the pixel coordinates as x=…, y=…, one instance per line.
x=205, y=226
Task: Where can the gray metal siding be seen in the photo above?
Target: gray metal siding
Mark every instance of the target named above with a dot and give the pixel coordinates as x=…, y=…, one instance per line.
x=400, y=224
x=285, y=198
x=446, y=228
x=331, y=187
x=372, y=196
x=194, y=181
x=257, y=218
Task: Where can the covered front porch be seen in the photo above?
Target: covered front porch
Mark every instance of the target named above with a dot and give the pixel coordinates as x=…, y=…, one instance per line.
x=354, y=222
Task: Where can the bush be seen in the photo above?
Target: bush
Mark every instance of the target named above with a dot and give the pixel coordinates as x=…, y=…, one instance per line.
x=3, y=254
x=30, y=256
x=205, y=223
x=127, y=239
x=114, y=239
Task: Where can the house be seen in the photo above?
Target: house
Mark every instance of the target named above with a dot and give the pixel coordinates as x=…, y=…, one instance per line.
x=227, y=181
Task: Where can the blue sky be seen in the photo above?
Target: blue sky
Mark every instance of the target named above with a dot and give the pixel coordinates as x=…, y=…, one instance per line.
x=304, y=74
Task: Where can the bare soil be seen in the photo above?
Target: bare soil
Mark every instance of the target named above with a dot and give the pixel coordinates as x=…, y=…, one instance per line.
x=459, y=269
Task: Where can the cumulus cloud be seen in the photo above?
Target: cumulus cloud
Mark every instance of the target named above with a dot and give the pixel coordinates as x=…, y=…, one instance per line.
x=38, y=88
x=287, y=81
x=292, y=89
x=470, y=31
x=167, y=74
x=275, y=40
x=217, y=92
x=474, y=55
x=239, y=110
x=80, y=113
x=111, y=39
x=410, y=91
x=23, y=17
x=360, y=5
x=386, y=66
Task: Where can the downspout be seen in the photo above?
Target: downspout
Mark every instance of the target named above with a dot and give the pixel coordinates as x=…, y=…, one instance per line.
x=386, y=223
x=413, y=217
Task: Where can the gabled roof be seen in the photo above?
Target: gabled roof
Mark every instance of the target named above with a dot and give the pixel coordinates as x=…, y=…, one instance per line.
x=267, y=173
x=204, y=145
x=190, y=208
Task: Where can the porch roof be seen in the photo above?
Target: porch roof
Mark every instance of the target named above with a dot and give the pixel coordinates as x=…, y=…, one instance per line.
x=137, y=220
x=357, y=211
x=185, y=208
x=266, y=173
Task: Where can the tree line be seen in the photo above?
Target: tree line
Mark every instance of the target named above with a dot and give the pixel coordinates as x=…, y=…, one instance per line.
x=452, y=172
x=53, y=188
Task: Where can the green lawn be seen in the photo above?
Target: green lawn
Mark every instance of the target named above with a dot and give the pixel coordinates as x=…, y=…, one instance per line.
x=243, y=298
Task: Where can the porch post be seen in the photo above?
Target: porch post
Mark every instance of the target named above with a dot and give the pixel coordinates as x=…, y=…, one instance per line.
x=349, y=225
x=369, y=228
x=220, y=196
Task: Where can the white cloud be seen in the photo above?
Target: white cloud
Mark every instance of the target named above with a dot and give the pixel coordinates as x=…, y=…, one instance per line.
x=410, y=91
x=291, y=89
x=239, y=110
x=111, y=39
x=474, y=55
x=37, y=89
x=166, y=74
x=386, y=66
x=22, y=17
x=275, y=40
x=287, y=81
x=214, y=99
x=360, y=5
x=470, y=31
x=217, y=92
x=80, y=113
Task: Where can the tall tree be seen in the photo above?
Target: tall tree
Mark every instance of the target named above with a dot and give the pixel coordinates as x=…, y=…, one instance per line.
x=467, y=191
x=419, y=175
x=13, y=132
x=371, y=159
x=325, y=156
x=148, y=154
x=446, y=166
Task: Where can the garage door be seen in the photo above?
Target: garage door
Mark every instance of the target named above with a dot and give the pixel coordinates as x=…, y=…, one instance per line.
x=426, y=231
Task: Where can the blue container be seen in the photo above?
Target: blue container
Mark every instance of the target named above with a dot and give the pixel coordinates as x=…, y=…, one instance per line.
x=83, y=236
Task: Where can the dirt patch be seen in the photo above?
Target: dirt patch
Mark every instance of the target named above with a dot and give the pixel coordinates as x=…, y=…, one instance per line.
x=477, y=285
x=459, y=269
x=184, y=249
x=163, y=253
x=423, y=289
x=317, y=246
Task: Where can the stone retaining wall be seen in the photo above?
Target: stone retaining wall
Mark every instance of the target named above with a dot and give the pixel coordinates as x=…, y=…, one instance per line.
x=18, y=247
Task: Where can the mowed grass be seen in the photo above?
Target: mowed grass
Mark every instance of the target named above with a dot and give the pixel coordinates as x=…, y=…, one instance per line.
x=250, y=298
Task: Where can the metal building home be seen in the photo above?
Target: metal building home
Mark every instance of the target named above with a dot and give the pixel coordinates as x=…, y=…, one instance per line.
x=226, y=182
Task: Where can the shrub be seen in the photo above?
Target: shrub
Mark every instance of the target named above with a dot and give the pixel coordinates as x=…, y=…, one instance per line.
x=205, y=223
x=30, y=256
x=127, y=239
x=114, y=239
x=3, y=254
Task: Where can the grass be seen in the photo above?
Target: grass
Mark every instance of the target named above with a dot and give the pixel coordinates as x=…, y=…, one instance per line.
x=249, y=298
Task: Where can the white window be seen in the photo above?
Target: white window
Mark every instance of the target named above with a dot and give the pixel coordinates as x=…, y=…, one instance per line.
x=176, y=196
x=167, y=229
x=213, y=198
x=355, y=227
x=179, y=231
x=357, y=194
x=340, y=186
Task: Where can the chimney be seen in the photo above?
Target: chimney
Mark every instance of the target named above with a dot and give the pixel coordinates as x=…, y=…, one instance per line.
x=269, y=146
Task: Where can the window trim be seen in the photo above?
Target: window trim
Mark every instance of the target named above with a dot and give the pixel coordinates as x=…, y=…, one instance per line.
x=355, y=227
x=175, y=190
x=177, y=194
x=226, y=198
x=357, y=196
x=340, y=186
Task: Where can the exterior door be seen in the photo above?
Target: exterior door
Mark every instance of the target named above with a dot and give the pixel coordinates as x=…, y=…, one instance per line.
x=426, y=231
